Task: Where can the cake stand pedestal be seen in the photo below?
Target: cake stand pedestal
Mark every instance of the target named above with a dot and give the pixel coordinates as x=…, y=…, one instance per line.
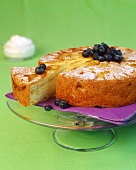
x=84, y=141
x=73, y=131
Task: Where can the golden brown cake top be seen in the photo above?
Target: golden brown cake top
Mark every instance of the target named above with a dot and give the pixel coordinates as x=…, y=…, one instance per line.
x=87, y=68
x=27, y=75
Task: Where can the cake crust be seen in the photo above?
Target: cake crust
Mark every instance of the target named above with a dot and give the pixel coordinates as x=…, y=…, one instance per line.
x=108, y=93
x=87, y=82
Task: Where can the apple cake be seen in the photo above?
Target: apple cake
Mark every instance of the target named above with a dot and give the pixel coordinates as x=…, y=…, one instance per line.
x=87, y=76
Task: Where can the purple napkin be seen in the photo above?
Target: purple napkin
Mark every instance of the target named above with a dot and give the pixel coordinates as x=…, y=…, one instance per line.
x=118, y=115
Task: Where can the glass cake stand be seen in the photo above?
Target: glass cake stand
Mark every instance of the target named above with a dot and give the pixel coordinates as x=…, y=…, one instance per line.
x=72, y=130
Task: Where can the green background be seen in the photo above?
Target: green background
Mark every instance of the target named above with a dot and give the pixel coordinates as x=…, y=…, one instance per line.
x=54, y=25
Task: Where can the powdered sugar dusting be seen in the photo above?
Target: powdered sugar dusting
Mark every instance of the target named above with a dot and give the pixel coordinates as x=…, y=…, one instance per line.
x=81, y=72
x=102, y=71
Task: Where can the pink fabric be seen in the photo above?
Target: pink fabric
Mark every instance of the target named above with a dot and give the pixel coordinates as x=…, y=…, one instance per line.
x=117, y=115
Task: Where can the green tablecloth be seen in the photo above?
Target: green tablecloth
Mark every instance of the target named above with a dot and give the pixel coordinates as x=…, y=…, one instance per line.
x=54, y=25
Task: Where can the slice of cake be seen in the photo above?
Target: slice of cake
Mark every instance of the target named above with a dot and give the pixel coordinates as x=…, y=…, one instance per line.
x=84, y=76
x=29, y=87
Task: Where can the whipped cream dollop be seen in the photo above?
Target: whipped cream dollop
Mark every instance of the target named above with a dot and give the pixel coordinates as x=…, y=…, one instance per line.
x=19, y=47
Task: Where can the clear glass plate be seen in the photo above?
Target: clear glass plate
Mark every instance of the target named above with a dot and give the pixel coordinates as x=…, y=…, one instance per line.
x=72, y=130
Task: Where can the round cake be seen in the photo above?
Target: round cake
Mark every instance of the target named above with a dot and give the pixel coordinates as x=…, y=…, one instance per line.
x=90, y=76
x=88, y=82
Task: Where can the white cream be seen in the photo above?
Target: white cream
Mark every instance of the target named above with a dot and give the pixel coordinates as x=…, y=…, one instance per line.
x=19, y=47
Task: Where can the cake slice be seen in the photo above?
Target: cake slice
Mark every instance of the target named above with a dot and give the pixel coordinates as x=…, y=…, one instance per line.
x=29, y=88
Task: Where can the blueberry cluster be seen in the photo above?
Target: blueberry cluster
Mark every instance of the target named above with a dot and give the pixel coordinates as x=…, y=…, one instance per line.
x=61, y=103
x=40, y=69
x=103, y=52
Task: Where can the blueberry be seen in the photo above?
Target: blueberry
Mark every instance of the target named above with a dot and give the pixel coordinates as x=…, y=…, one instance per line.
x=85, y=54
x=108, y=57
x=95, y=56
x=117, y=58
x=118, y=52
x=39, y=70
x=90, y=51
x=101, y=49
x=63, y=104
x=43, y=66
x=104, y=45
x=101, y=58
x=111, y=50
x=57, y=101
x=48, y=107
x=96, y=47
